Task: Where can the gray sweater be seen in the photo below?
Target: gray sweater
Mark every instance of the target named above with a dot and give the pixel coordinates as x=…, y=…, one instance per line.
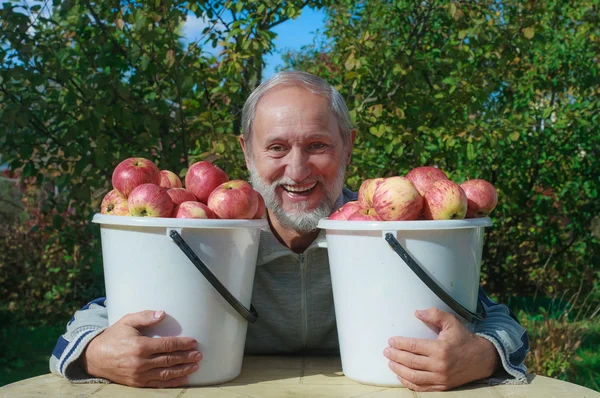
x=292, y=293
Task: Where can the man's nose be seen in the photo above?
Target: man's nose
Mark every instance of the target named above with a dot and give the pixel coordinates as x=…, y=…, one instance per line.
x=298, y=168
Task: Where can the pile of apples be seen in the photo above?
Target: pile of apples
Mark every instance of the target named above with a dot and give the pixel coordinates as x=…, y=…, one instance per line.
x=425, y=193
x=140, y=189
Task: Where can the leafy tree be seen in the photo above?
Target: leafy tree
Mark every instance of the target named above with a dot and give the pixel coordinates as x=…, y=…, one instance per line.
x=84, y=85
x=501, y=90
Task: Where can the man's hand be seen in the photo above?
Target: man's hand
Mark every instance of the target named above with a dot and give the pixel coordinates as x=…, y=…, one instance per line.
x=455, y=358
x=123, y=355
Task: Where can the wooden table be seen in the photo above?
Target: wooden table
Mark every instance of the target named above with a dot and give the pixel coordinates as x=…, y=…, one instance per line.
x=289, y=377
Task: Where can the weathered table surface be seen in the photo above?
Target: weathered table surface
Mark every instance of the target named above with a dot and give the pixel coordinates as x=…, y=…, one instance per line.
x=289, y=377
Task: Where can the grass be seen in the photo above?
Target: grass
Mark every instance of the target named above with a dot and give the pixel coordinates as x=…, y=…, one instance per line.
x=25, y=351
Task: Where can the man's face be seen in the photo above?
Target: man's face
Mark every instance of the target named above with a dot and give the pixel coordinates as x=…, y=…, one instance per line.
x=297, y=160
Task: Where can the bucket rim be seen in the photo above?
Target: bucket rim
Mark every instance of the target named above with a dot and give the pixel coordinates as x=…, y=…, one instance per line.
x=414, y=225
x=130, y=221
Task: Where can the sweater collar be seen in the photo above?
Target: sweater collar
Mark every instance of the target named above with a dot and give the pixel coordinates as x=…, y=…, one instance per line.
x=271, y=248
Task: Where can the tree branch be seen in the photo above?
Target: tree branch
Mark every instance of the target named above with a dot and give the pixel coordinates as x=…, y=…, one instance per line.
x=110, y=37
x=40, y=125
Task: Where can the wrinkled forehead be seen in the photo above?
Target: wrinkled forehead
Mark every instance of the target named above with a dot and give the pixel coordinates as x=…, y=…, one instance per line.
x=293, y=107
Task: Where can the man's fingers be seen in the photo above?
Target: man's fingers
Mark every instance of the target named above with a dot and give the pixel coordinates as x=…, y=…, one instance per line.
x=415, y=346
x=173, y=358
x=142, y=319
x=410, y=360
x=418, y=377
x=414, y=387
x=177, y=382
x=436, y=317
x=173, y=372
x=161, y=345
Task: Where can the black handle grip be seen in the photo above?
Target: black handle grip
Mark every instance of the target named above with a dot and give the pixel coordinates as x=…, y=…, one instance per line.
x=433, y=286
x=250, y=315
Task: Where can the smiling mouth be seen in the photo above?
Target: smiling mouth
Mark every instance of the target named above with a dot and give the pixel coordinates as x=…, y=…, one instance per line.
x=303, y=189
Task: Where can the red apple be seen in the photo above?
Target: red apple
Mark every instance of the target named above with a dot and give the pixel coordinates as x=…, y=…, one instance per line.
x=202, y=178
x=366, y=191
x=346, y=211
x=262, y=209
x=150, y=200
x=366, y=214
x=114, y=204
x=396, y=198
x=234, y=199
x=192, y=209
x=423, y=177
x=180, y=195
x=445, y=200
x=133, y=172
x=482, y=197
x=168, y=179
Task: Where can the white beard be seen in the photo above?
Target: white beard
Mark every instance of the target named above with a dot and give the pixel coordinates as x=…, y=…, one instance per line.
x=298, y=218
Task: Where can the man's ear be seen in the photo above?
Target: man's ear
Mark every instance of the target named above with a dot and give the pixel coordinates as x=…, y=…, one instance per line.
x=243, y=144
x=350, y=146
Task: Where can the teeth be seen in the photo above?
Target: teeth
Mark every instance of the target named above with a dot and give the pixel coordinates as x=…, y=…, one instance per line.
x=299, y=188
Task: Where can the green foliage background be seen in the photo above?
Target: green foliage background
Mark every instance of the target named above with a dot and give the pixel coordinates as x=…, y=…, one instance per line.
x=507, y=91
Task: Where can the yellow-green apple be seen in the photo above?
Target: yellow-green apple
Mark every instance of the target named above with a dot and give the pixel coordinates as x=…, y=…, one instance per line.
x=482, y=197
x=192, y=209
x=396, y=198
x=114, y=204
x=168, y=179
x=262, y=209
x=150, y=200
x=133, y=172
x=366, y=191
x=202, y=178
x=346, y=211
x=234, y=199
x=423, y=177
x=180, y=195
x=366, y=214
x=445, y=200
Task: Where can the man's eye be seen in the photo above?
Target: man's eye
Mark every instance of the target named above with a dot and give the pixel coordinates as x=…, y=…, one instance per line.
x=318, y=145
x=276, y=148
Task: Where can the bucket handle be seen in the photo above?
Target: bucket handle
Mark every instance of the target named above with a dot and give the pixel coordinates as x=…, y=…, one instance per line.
x=457, y=307
x=249, y=315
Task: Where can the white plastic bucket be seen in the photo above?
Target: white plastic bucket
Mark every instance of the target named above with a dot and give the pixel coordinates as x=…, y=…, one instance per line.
x=145, y=270
x=376, y=294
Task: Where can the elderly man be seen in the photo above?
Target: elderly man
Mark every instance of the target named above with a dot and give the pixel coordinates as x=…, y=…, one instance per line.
x=297, y=141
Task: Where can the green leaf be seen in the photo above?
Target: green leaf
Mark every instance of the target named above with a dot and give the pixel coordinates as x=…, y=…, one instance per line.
x=350, y=62
x=140, y=20
x=377, y=131
x=452, y=9
x=377, y=110
x=471, y=154
x=145, y=62
x=462, y=34
x=170, y=58
x=188, y=83
x=515, y=136
x=529, y=32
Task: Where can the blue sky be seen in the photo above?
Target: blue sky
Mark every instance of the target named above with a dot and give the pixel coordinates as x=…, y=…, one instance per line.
x=292, y=34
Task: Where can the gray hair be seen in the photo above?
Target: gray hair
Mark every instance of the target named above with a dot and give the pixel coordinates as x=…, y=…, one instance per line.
x=305, y=80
